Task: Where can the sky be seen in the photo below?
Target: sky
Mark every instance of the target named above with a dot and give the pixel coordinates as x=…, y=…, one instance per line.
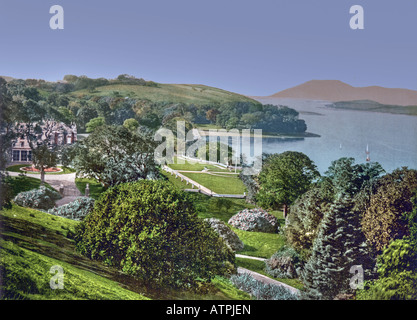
x=252, y=47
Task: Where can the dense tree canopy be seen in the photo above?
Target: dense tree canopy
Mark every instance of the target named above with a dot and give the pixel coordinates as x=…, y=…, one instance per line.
x=283, y=178
x=150, y=230
x=385, y=218
x=339, y=245
x=114, y=154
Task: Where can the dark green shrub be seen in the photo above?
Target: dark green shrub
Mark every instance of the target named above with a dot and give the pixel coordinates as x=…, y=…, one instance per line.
x=149, y=229
x=397, y=268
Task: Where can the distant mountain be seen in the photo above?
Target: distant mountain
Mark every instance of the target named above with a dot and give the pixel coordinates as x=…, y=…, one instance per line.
x=335, y=90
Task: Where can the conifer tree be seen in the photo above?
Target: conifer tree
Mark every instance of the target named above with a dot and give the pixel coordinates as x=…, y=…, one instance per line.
x=340, y=245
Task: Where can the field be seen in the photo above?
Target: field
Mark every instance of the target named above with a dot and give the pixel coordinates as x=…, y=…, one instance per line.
x=173, y=93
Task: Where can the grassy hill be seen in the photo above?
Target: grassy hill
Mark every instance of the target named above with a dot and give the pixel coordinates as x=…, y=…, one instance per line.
x=31, y=242
x=173, y=93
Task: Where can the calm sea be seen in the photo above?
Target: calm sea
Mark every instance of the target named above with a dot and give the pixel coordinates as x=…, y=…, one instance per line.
x=390, y=139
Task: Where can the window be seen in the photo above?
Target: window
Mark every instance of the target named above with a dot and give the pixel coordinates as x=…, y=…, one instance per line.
x=30, y=155
x=23, y=156
x=16, y=155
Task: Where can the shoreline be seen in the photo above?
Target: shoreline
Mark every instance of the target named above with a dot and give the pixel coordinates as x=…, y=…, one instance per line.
x=224, y=132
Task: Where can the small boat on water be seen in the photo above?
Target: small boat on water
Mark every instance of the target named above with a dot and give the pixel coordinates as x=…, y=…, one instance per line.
x=368, y=158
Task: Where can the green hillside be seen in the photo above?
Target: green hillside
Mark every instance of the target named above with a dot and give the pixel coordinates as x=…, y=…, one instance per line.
x=31, y=242
x=173, y=93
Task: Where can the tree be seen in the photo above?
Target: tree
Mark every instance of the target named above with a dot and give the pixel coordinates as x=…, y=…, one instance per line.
x=44, y=157
x=150, y=230
x=131, y=124
x=348, y=178
x=211, y=115
x=397, y=267
x=283, y=178
x=6, y=137
x=94, y=123
x=385, y=218
x=113, y=155
x=339, y=245
x=306, y=214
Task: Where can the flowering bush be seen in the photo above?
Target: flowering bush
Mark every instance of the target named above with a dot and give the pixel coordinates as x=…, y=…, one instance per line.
x=231, y=238
x=286, y=263
x=75, y=210
x=260, y=290
x=254, y=220
x=41, y=198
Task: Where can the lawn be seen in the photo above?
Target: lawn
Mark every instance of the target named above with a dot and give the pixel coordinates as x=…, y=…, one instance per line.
x=195, y=166
x=221, y=184
x=24, y=183
x=96, y=189
x=259, y=244
x=31, y=243
x=28, y=277
x=175, y=181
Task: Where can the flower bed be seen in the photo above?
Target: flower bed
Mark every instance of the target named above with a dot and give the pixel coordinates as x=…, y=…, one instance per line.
x=33, y=169
x=255, y=220
x=231, y=238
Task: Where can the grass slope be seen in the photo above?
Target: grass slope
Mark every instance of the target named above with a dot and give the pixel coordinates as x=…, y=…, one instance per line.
x=174, y=93
x=24, y=183
x=31, y=242
x=221, y=184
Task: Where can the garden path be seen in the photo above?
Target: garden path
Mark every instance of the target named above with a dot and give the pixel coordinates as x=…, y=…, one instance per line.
x=71, y=191
x=267, y=280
